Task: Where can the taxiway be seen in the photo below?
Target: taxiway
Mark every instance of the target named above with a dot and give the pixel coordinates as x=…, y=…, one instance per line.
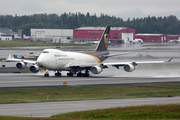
x=46, y=109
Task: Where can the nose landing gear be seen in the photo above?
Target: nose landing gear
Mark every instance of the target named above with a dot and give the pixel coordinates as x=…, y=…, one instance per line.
x=47, y=73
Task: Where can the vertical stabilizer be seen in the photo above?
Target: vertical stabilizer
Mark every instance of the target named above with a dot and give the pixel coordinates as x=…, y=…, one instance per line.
x=103, y=44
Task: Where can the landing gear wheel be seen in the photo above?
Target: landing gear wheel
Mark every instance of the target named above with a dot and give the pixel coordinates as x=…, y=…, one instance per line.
x=79, y=74
x=46, y=75
x=58, y=74
x=70, y=74
x=85, y=75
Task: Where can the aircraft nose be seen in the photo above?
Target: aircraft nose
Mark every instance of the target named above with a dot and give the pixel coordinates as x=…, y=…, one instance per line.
x=41, y=62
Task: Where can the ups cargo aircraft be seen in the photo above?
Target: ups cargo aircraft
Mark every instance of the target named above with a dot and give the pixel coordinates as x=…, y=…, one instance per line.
x=77, y=63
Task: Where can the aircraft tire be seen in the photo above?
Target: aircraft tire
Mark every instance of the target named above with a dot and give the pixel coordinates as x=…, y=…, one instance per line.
x=57, y=74
x=46, y=75
x=85, y=75
x=69, y=74
x=79, y=74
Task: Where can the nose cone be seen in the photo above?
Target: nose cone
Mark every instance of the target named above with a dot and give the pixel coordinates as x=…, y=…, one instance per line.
x=41, y=61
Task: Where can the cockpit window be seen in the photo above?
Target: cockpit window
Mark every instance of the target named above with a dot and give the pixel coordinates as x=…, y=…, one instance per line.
x=45, y=52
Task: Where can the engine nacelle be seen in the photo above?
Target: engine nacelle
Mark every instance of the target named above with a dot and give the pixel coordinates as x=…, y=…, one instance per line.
x=129, y=67
x=34, y=68
x=21, y=65
x=96, y=70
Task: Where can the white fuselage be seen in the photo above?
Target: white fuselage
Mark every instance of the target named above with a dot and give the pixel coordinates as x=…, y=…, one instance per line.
x=54, y=59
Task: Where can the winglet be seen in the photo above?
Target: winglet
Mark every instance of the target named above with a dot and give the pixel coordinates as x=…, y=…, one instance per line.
x=169, y=60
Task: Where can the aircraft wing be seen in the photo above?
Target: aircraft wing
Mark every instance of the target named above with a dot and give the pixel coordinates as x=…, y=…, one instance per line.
x=11, y=58
x=111, y=55
x=116, y=64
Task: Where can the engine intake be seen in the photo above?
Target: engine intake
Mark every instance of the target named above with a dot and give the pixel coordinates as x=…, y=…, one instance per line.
x=21, y=65
x=34, y=68
x=96, y=70
x=129, y=68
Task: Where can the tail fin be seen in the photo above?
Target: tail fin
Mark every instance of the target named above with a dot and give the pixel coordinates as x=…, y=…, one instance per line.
x=9, y=58
x=103, y=44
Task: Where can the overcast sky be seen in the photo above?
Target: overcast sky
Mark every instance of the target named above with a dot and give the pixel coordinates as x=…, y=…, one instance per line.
x=118, y=8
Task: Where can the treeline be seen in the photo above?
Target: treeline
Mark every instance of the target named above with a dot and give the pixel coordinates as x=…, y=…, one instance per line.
x=150, y=24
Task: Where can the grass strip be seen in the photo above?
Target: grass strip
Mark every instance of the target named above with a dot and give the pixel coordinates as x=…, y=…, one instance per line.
x=170, y=111
x=88, y=93
x=33, y=43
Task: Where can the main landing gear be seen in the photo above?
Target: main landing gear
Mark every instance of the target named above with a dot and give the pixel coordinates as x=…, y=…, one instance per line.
x=86, y=74
x=58, y=74
x=70, y=74
x=79, y=74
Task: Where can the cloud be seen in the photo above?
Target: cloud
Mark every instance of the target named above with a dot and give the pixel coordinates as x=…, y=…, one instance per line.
x=118, y=8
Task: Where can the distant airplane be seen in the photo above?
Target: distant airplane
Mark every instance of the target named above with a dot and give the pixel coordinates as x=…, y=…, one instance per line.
x=174, y=41
x=77, y=63
x=136, y=41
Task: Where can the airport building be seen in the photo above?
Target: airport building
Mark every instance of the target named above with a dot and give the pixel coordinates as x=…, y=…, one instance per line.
x=52, y=35
x=152, y=37
x=117, y=34
x=83, y=34
x=7, y=34
x=93, y=34
x=158, y=38
x=174, y=37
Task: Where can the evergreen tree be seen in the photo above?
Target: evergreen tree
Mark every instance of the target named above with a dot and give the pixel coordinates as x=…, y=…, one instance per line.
x=164, y=25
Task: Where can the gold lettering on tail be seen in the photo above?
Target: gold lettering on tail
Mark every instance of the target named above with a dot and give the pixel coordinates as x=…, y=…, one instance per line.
x=106, y=37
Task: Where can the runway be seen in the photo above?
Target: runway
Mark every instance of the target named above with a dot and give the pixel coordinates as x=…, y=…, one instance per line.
x=31, y=80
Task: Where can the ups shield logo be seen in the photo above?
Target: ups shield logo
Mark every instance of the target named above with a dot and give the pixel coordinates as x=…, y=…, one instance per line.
x=106, y=37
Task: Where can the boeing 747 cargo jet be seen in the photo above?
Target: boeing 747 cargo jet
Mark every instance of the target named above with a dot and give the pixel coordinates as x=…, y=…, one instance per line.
x=77, y=63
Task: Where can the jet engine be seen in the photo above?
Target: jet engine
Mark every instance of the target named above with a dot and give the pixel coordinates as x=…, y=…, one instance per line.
x=96, y=70
x=21, y=65
x=129, y=67
x=34, y=68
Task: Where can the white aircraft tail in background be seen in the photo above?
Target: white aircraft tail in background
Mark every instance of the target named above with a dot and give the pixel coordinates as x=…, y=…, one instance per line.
x=136, y=41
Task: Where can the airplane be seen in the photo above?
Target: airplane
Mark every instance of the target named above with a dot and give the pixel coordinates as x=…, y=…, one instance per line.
x=136, y=41
x=79, y=64
x=139, y=41
x=174, y=41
